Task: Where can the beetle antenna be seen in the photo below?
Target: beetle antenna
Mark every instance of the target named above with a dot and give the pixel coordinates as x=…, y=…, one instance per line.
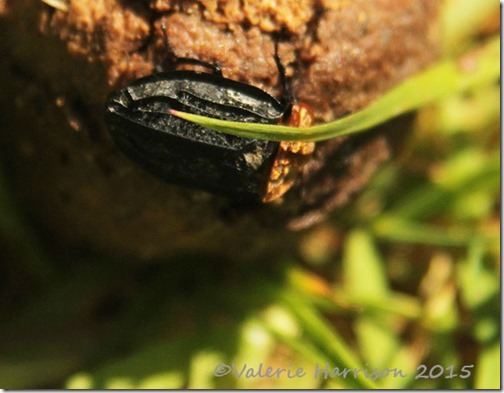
x=287, y=97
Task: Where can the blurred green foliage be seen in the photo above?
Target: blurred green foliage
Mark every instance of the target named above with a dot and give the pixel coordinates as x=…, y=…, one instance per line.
x=406, y=276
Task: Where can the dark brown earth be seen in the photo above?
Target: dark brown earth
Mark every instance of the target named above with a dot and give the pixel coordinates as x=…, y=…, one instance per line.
x=57, y=68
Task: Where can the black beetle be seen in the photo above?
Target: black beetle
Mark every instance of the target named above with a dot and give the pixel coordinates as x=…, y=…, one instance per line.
x=188, y=154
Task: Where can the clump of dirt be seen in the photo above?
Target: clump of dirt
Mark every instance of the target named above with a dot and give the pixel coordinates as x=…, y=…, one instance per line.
x=60, y=62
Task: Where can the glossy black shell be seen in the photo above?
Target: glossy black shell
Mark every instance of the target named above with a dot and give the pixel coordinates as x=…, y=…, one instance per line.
x=185, y=153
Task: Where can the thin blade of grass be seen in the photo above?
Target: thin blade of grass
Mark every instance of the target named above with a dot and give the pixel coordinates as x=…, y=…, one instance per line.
x=475, y=69
x=323, y=336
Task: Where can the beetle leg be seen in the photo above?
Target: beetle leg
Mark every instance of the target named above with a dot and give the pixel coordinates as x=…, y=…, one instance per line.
x=175, y=60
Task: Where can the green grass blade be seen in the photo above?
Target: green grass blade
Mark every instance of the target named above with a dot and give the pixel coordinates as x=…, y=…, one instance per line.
x=478, y=68
x=488, y=368
x=322, y=335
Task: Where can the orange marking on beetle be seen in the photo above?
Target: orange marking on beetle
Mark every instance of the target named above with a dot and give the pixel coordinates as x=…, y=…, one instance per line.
x=291, y=156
